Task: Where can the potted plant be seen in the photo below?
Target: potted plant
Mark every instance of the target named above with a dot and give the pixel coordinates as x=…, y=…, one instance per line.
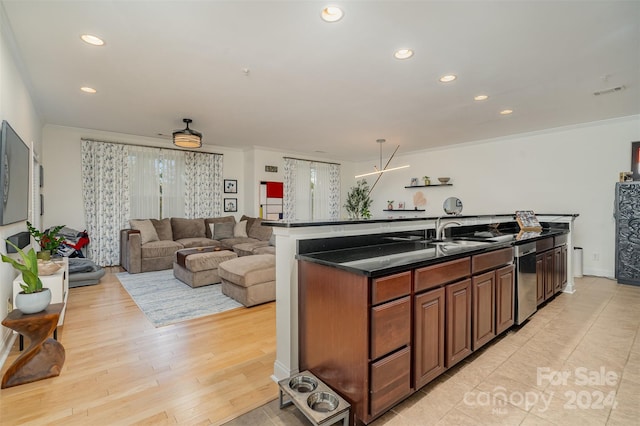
x=33, y=298
x=48, y=240
x=427, y=182
x=358, y=201
x=390, y=205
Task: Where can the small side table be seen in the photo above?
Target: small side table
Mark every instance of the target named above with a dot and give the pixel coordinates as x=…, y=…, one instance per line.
x=45, y=356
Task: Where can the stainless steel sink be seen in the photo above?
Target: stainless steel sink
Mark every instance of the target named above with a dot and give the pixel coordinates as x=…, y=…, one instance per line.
x=468, y=243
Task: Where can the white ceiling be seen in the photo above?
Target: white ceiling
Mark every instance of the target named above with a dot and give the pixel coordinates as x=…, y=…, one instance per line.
x=331, y=87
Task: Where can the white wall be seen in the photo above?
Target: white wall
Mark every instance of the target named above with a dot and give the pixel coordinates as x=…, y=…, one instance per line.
x=17, y=108
x=63, y=178
x=565, y=170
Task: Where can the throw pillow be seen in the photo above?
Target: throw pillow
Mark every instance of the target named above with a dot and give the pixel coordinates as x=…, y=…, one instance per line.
x=240, y=229
x=147, y=230
x=163, y=228
x=222, y=230
x=209, y=220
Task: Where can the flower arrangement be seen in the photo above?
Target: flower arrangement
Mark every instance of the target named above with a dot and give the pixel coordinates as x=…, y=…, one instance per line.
x=48, y=240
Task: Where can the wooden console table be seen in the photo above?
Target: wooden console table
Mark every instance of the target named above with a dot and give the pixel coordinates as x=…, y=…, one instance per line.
x=45, y=356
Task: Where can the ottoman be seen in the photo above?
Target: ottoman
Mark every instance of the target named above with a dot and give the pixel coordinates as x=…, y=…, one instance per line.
x=250, y=280
x=199, y=266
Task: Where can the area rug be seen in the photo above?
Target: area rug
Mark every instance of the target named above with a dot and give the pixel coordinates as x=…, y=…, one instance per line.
x=166, y=300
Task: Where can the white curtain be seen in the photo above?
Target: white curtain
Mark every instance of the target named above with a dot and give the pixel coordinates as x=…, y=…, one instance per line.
x=144, y=182
x=105, y=188
x=203, y=188
x=173, y=183
x=311, y=190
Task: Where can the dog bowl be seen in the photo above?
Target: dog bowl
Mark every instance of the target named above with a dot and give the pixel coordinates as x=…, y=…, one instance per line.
x=444, y=180
x=303, y=384
x=322, y=402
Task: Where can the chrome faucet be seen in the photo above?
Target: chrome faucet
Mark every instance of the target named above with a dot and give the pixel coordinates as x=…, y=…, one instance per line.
x=440, y=228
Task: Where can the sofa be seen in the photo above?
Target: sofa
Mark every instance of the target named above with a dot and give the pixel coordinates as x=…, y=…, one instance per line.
x=151, y=244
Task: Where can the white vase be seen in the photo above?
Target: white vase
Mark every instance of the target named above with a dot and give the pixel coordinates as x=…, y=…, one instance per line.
x=32, y=303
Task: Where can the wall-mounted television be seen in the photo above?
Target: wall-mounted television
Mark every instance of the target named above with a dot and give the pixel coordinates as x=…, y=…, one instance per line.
x=14, y=177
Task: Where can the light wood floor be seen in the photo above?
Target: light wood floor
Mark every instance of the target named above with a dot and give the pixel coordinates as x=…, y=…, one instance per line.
x=119, y=369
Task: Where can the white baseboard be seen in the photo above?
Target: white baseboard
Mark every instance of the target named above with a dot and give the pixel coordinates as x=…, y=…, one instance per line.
x=597, y=272
x=280, y=372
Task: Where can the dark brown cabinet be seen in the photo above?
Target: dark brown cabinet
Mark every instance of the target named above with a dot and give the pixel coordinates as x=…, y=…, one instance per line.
x=428, y=342
x=377, y=340
x=551, y=268
x=505, y=298
x=458, y=322
x=484, y=325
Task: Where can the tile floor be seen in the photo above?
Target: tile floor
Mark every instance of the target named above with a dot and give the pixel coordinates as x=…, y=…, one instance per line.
x=576, y=361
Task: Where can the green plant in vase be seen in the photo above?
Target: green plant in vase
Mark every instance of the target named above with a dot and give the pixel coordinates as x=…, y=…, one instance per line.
x=33, y=297
x=390, y=205
x=48, y=240
x=427, y=181
x=358, y=201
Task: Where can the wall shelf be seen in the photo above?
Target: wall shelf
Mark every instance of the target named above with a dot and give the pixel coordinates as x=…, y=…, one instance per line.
x=424, y=186
x=403, y=210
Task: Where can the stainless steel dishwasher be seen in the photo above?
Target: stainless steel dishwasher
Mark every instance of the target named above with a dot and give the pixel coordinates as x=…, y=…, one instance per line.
x=526, y=287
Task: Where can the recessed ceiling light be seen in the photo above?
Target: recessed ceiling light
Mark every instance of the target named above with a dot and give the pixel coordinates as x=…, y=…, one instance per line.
x=332, y=14
x=91, y=39
x=403, y=54
x=88, y=89
x=506, y=112
x=447, y=78
x=480, y=98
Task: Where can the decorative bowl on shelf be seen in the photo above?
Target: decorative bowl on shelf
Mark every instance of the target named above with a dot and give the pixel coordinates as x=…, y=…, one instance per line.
x=443, y=180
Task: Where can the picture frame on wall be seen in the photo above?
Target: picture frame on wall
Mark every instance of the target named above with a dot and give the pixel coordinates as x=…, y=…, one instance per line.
x=230, y=205
x=230, y=186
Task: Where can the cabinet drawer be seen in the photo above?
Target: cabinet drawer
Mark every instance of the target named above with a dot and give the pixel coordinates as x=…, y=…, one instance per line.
x=546, y=244
x=390, y=326
x=391, y=287
x=491, y=260
x=390, y=380
x=442, y=273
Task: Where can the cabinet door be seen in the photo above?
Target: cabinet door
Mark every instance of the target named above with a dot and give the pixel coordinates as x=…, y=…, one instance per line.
x=484, y=319
x=565, y=272
x=549, y=272
x=390, y=326
x=540, y=278
x=458, y=326
x=557, y=270
x=505, y=294
x=429, y=329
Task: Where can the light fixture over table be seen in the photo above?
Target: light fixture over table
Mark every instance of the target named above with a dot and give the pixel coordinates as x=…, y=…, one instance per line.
x=187, y=138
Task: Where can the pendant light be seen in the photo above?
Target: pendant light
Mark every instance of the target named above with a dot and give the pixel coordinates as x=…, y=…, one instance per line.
x=187, y=138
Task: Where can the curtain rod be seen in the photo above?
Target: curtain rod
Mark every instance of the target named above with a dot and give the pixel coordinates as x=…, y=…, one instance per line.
x=146, y=146
x=310, y=161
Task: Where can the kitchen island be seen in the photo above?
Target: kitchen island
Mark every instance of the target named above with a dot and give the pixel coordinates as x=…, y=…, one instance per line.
x=290, y=236
x=382, y=315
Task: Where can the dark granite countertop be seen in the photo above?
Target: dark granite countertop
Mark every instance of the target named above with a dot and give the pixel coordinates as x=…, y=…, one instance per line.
x=379, y=255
